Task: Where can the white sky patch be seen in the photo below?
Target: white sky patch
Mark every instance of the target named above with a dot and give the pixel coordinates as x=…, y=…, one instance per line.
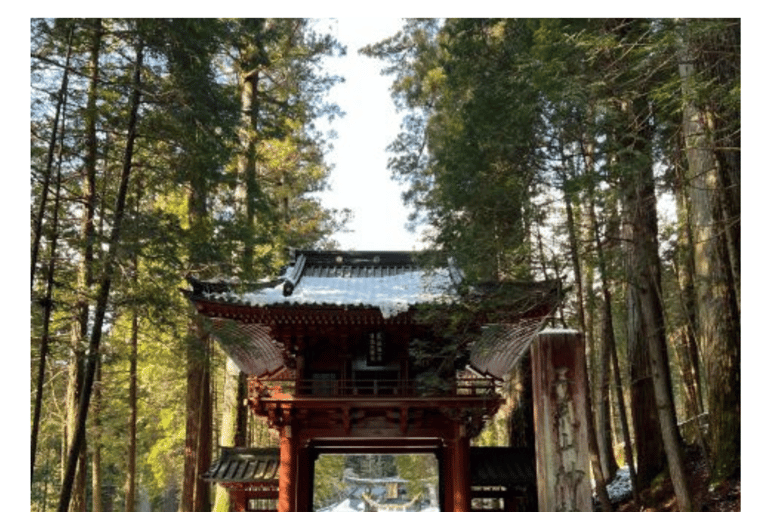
x=360, y=179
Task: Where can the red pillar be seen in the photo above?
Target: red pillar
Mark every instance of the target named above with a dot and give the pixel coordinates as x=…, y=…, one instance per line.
x=305, y=467
x=287, y=474
x=462, y=499
x=447, y=475
x=239, y=500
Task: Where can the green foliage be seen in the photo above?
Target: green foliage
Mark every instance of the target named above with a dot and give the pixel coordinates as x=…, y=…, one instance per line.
x=505, y=121
x=329, y=485
x=183, y=215
x=421, y=471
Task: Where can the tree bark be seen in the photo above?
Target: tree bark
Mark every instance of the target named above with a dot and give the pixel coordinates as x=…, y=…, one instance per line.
x=684, y=272
x=85, y=271
x=609, y=346
x=197, y=445
x=234, y=414
x=96, y=484
x=104, y=287
x=597, y=470
x=603, y=373
x=197, y=452
x=48, y=300
x=644, y=276
x=133, y=406
x=73, y=398
x=233, y=421
x=648, y=438
x=717, y=313
x=37, y=231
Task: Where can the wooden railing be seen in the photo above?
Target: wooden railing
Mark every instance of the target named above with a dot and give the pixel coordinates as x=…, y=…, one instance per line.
x=383, y=388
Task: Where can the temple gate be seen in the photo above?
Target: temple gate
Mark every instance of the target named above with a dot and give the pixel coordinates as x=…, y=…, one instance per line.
x=334, y=350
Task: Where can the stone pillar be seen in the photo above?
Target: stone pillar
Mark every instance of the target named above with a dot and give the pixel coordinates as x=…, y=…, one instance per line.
x=287, y=473
x=560, y=416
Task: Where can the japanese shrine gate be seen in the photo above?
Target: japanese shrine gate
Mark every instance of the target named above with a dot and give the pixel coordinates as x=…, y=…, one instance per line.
x=330, y=352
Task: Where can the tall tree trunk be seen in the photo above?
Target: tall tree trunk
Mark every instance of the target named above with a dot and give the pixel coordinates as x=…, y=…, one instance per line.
x=602, y=358
x=597, y=471
x=103, y=295
x=234, y=413
x=648, y=439
x=73, y=399
x=717, y=314
x=644, y=279
x=85, y=270
x=686, y=348
x=197, y=447
x=96, y=484
x=61, y=99
x=684, y=272
x=603, y=375
x=233, y=421
x=723, y=61
x=133, y=406
x=609, y=347
x=246, y=164
x=195, y=496
x=48, y=299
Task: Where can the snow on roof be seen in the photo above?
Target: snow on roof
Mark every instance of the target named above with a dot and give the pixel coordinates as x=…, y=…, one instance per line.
x=392, y=294
x=559, y=331
x=392, y=288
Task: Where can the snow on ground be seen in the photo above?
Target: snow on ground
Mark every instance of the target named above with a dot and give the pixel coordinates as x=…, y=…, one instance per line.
x=347, y=506
x=344, y=506
x=620, y=487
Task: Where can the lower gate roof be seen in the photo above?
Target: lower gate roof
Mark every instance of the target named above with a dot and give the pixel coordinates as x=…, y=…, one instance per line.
x=502, y=466
x=245, y=465
x=489, y=466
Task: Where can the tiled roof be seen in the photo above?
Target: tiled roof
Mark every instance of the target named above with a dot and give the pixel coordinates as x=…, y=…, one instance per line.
x=245, y=465
x=501, y=466
x=489, y=466
x=389, y=281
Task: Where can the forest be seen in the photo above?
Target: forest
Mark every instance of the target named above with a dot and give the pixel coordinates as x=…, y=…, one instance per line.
x=601, y=152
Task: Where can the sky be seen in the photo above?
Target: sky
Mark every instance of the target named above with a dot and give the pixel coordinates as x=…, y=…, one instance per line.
x=360, y=179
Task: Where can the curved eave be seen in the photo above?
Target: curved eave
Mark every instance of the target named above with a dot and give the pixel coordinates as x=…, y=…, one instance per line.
x=508, y=338
x=503, y=345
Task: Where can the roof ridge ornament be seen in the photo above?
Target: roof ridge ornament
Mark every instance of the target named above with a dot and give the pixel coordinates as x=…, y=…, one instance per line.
x=293, y=276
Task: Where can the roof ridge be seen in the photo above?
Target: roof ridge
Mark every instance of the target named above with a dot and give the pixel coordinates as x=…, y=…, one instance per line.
x=356, y=258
